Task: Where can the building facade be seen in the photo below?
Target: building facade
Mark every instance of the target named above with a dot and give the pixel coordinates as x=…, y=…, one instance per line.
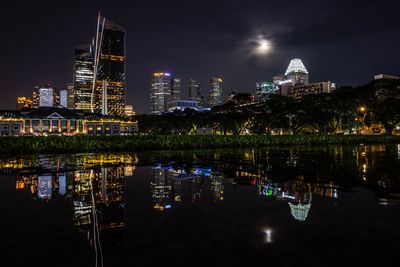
x=175, y=89
x=80, y=92
x=71, y=96
x=386, y=77
x=11, y=124
x=24, y=102
x=264, y=90
x=182, y=105
x=297, y=72
x=215, y=93
x=64, y=98
x=194, y=90
x=299, y=91
x=129, y=111
x=110, y=78
x=45, y=121
x=45, y=96
x=163, y=88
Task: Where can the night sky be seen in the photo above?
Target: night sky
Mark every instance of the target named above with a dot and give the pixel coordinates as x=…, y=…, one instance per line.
x=343, y=41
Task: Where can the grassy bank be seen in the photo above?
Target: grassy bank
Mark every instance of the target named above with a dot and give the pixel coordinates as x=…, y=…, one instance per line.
x=24, y=145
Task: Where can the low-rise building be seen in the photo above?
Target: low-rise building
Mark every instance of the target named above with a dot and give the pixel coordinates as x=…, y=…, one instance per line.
x=264, y=90
x=385, y=77
x=45, y=121
x=299, y=91
x=50, y=120
x=10, y=124
x=182, y=105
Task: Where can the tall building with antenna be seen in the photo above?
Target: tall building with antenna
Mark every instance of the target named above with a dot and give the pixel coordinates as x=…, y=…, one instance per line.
x=109, y=79
x=99, y=79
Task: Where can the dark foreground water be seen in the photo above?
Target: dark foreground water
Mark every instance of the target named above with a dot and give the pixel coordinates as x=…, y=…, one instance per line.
x=327, y=206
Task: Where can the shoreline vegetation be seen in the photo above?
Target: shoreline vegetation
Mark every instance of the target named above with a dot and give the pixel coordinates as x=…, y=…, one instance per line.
x=93, y=144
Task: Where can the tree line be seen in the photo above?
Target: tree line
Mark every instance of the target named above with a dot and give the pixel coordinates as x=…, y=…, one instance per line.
x=371, y=108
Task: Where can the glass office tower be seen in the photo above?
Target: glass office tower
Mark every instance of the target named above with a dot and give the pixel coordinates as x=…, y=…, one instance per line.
x=215, y=94
x=82, y=78
x=194, y=90
x=110, y=88
x=164, y=88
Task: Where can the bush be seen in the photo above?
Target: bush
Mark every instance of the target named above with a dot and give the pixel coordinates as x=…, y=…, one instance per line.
x=76, y=144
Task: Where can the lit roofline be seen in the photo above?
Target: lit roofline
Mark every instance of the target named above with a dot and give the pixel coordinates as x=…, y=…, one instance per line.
x=296, y=66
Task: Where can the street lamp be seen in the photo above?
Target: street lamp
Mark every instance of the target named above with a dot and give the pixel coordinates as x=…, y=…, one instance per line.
x=363, y=110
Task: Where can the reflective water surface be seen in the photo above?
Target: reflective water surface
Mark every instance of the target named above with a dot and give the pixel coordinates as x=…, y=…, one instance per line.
x=321, y=206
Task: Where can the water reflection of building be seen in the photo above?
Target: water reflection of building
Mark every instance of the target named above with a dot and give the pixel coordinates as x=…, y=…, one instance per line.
x=266, y=188
x=161, y=190
x=299, y=196
x=217, y=187
x=107, y=186
x=299, y=211
x=96, y=189
x=82, y=200
x=297, y=193
x=171, y=185
x=97, y=197
x=330, y=189
x=45, y=186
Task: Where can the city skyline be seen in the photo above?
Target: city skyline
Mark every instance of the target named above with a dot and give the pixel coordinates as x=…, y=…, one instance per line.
x=223, y=46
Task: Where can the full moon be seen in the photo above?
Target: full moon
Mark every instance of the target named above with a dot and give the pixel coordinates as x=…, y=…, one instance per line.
x=264, y=46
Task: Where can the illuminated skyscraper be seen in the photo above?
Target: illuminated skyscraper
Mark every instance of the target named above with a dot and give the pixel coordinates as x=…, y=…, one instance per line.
x=215, y=94
x=45, y=96
x=63, y=98
x=71, y=96
x=56, y=97
x=194, y=90
x=176, y=89
x=164, y=88
x=82, y=78
x=297, y=72
x=109, y=68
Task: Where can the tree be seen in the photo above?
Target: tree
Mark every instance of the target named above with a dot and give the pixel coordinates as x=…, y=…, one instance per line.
x=388, y=113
